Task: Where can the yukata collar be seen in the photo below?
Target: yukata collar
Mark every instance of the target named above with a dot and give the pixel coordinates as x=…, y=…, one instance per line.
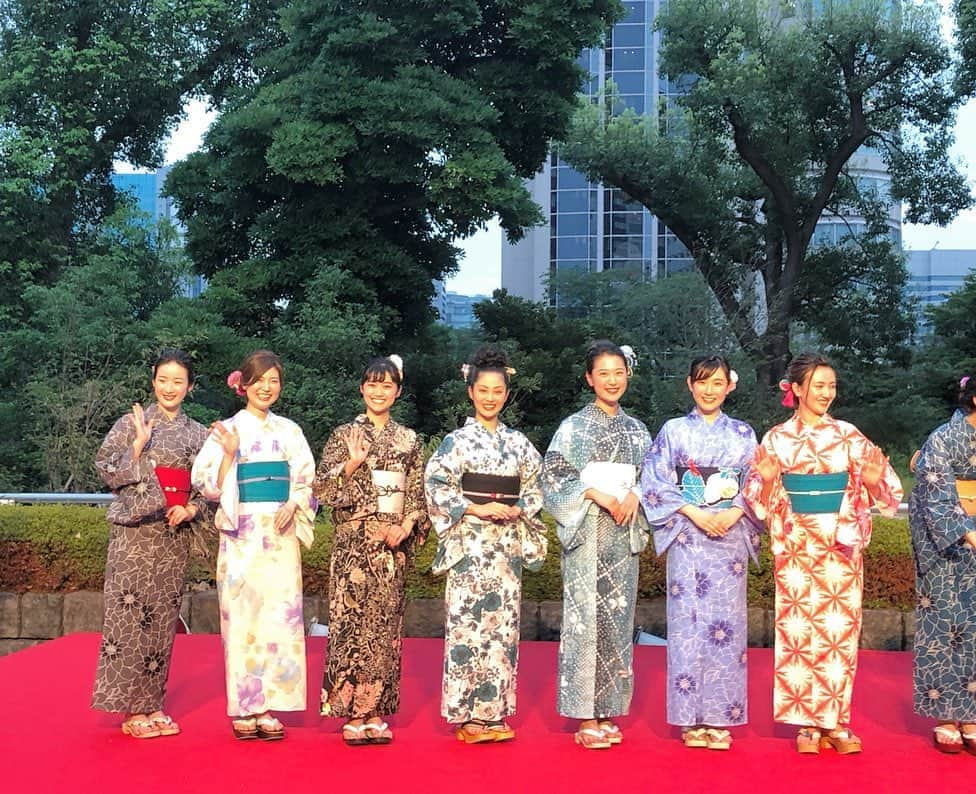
x=153, y=411
x=594, y=410
x=363, y=419
x=246, y=418
x=695, y=415
x=799, y=426
x=959, y=418
x=470, y=420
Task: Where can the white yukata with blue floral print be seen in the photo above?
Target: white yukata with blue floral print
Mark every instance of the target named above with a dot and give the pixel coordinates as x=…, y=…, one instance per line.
x=707, y=617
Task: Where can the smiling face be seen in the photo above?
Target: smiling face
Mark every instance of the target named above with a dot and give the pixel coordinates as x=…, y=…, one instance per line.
x=710, y=391
x=488, y=395
x=816, y=394
x=264, y=391
x=171, y=384
x=379, y=396
x=608, y=379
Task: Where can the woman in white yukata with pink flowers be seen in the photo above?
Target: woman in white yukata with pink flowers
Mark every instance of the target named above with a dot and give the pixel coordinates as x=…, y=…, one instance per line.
x=261, y=469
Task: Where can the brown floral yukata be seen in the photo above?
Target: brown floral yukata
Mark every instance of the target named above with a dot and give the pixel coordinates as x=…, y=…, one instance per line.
x=367, y=577
x=146, y=563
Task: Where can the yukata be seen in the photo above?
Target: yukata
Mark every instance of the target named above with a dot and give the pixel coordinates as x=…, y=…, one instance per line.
x=367, y=577
x=147, y=561
x=693, y=461
x=819, y=570
x=599, y=558
x=483, y=561
x=945, y=575
x=259, y=570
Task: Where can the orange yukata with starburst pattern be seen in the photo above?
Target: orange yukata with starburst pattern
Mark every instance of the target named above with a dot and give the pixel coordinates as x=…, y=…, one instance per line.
x=818, y=568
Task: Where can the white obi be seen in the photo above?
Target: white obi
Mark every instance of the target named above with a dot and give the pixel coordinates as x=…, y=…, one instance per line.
x=616, y=479
x=390, y=491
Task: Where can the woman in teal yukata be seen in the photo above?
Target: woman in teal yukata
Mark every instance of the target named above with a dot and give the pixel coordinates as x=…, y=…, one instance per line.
x=590, y=480
x=484, y=500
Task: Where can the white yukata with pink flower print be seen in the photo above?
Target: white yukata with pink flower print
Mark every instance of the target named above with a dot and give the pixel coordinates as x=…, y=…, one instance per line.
x=259, y=570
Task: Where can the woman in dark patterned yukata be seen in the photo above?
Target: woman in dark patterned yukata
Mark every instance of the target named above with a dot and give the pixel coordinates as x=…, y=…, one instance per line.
x=941, y=514
x=146, y=459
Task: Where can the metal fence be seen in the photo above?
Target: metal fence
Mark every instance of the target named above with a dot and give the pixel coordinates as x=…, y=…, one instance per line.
x=56, y=498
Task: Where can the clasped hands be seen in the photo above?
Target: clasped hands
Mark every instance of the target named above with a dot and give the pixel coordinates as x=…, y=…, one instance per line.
x=623, y=511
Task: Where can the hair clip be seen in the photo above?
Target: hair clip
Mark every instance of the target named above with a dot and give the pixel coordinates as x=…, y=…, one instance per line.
x=397, y=362
x=234, y=381
x=789, y=399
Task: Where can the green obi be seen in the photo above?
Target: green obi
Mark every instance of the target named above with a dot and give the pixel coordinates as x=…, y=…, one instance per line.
x=816, y=493
x=265, y=481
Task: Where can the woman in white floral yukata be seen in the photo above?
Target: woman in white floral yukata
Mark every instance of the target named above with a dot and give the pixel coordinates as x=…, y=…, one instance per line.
x=484, y=499
x=260, y=468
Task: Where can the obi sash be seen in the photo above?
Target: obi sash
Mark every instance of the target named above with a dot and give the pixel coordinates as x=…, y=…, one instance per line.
x=615, y=479
x=967, y=495
x=484, y=488
x=390, y=490
x=175, y=484
x=708, y=486
x=816, y=493
x=264, y=481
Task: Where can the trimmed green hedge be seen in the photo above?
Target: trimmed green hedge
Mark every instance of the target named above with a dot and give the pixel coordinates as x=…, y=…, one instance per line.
x=70, y=541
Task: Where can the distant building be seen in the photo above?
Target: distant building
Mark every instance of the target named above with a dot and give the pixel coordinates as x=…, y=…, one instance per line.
x=147, y=191
x=455, y=310
x=934, y=274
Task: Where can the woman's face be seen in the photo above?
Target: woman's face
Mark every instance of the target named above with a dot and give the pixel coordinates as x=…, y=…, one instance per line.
x=171, y=384
x=379, y=395
x=710, y=391
x=816, y=394
x=488, y=395
x=608, y=379
x=264, y=392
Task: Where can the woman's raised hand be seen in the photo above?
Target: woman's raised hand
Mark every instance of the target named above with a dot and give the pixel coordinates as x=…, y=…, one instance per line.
x=229, y=440
x=358, y=446
x=767, y=466
x=143, y=429
x=873, y=469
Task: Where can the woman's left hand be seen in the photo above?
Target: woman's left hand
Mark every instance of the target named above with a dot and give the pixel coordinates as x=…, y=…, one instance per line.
x=284, y=515
x=180, y=514
x=397, y=533
x=627, y=509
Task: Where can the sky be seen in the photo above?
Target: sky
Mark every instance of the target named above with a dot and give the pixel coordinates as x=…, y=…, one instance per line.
x=480, y=267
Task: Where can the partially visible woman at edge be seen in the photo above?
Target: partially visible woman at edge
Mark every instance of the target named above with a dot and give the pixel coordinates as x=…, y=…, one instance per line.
x=259, y=466
x=484, y=500
x=942, y=516
x=815, y=480
x=154, y=520
x=590, y=480
x=372, y=476
x=693, y=475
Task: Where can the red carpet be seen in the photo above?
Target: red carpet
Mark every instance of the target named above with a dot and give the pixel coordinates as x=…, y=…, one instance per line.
x=51, y=742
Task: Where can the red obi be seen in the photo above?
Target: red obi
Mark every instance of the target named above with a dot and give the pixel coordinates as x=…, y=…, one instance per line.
x=175, y=484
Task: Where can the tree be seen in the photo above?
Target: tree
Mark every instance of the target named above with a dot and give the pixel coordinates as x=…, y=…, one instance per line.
x=767, y=140
x=376, y=134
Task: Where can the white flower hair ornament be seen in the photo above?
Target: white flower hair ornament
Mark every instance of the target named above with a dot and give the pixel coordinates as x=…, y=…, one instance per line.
x=630, y=357
x=465, y=372
x=397, y=362
x=733, y=380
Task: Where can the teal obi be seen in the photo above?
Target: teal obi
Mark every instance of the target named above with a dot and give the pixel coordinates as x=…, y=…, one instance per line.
x=816, y=493
x=265, y=481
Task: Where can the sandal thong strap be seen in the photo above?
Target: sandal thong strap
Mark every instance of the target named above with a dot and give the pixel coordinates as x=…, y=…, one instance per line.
x=594, y=732
x=951, y=733
x=376, y=726
x=269, y=723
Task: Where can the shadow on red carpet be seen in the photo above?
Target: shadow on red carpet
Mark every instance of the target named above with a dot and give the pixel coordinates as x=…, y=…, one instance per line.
x=50, y=741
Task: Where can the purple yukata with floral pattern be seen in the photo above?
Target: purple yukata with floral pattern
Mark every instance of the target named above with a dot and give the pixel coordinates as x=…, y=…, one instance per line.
x=707, y=617
x=259, y=570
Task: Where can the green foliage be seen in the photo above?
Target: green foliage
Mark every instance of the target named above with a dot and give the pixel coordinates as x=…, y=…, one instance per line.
x=768, y=138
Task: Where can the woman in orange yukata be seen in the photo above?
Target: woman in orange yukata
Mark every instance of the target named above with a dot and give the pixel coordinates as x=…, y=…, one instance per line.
x=815, y=480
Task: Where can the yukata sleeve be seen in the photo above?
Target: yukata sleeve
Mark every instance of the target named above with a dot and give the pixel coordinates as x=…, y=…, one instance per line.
x=446, y=504
x=532, y=531
x=562, y=488
x=661, y=497
x=890, y=490
x=201, y=526
x=414, y=502
x=331, y=485
x=203, y=477
x=750, y=522
x=639, y=528
x=775, y=509
x=301, y=466
x=945, y=521
x=114, y=461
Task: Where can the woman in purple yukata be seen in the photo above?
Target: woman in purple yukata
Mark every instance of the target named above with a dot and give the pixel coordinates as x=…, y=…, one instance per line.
x=691, y=481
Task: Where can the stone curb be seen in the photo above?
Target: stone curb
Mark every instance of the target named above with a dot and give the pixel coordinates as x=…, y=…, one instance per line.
x=28, y=618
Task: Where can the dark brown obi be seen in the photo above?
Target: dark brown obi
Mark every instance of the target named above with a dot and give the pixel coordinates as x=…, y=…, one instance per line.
x=484, y=488
x=175, y=484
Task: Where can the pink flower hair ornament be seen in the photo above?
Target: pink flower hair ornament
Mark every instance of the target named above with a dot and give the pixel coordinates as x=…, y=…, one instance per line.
x=963, y=381
x=234, y=382
x=789, y=398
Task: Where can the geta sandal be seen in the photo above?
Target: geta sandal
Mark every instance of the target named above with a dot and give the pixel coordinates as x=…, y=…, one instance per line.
x=378, y=733
x=948, y=739
x=842, y=740
x=611, y=731
x=138, y=726
x=479, y=735
x=269, y=728
x=244, y=728
x=354, y=735
x=591, y=739
x=808, y=741
x=718, y=739
x=164, y=724
x=694, y=737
